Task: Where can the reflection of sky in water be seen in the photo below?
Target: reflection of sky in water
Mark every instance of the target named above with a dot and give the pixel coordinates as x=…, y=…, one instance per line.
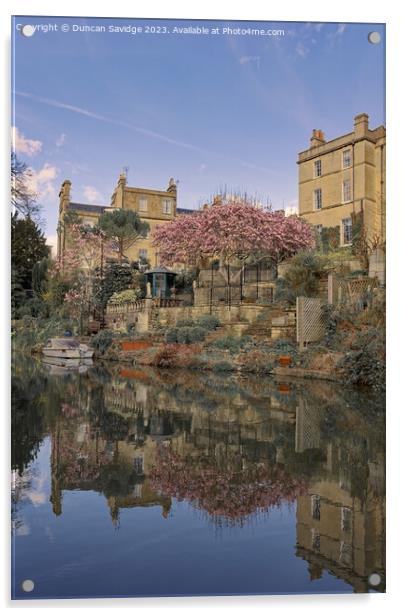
x=97, y=526
x=32, y=488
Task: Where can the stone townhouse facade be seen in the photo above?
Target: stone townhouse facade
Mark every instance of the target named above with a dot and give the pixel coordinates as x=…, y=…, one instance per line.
x=153, y=206
x=343, y=177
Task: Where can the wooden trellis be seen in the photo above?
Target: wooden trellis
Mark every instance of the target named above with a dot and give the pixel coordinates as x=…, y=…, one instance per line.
x=349, y=291
x=310, y=323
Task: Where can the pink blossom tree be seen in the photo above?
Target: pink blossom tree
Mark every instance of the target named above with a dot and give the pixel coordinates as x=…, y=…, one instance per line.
x=87, y=249
x=231, y=231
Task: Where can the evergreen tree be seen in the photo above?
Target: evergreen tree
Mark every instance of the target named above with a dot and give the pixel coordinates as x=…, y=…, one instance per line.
x=123, y=226
x=117, y=277
x=28, y=246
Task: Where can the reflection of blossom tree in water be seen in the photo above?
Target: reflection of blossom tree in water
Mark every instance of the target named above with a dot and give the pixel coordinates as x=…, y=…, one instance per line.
x=228, y=494
x=77, y=462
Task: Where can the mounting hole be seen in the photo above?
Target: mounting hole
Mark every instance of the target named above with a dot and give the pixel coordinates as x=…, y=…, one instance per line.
x=28, y=585
x=374, y=37
x=374, y=579
x=28, y=30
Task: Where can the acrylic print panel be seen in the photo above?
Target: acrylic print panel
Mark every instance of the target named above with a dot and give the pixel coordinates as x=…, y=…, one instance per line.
x=198, y=283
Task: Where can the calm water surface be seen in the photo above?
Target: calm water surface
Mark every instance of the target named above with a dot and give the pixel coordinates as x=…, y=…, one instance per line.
x=132, y=483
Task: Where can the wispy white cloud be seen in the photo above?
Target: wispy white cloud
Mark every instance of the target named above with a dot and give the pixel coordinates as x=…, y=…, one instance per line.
x=340, y=29
x=97, y=116
x=41, y=182
x=61, y=139
x=301, y=49
x=256, y=167
x=22, y=145
x=250, y=59
x=144, y=131
x=334, y=35
x=309, y=34
x=92, y=194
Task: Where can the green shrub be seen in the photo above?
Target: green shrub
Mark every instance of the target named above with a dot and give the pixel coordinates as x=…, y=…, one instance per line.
x=124, y=297
x=223, y=366
x=34, y=307
x=188, y=335
x=357, y=273
x=185, y=334
x=208, y=321
x=331, y=319
x=185, y=323
x=365, y=363
x=32, y=332
x=302, y=277
x=171, y=335
x=233, y=344
x=329, y=239
x=197, y=333
x=257, y=362
x=284, y=293
x=102, y=340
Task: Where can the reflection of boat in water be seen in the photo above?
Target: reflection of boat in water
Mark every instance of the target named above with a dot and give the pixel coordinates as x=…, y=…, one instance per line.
x=67, y=348
x=59, y=365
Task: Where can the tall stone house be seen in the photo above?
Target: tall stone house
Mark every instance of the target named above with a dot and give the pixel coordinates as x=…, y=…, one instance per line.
x=153, y=206
x=344, y=177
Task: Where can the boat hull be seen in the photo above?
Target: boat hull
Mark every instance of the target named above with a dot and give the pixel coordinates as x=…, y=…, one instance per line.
x=67, y=353
x=66, y=348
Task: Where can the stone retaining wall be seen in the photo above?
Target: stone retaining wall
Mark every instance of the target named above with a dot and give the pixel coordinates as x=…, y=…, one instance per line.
x=149, y=317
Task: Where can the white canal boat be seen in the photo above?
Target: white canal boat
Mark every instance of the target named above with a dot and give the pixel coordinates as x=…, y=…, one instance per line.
x=67, y=348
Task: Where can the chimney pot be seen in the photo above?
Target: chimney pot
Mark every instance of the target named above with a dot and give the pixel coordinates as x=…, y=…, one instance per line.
x=317, y=138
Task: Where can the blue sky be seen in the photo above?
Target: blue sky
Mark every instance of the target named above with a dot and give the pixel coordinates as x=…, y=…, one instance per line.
x=208, y=110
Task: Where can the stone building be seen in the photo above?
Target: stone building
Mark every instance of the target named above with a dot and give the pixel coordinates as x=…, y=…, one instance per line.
x=153, y=206
x=343, y=177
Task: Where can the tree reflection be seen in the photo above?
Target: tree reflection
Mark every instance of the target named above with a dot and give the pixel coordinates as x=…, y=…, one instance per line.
x=228, y=494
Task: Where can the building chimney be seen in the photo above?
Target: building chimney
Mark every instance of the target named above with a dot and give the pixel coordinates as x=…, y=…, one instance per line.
x=317, y=138
x=172, y=188
x=117, y=199
x=64, y=195
x=361, y=124
x=122, y=180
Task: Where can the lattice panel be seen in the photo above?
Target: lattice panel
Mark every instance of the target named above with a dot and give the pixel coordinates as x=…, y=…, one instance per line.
x=310, y=324
x=307, y=427
x=352, y=291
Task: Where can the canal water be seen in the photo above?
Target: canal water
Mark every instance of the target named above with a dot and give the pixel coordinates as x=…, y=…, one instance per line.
x=146, y=483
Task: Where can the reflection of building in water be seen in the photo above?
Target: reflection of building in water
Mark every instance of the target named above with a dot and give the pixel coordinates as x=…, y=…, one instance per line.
x=341, y=521
x=82, y=460
x=111, y=448
x=339, y=533
x=110, y=445
x=247, y=425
